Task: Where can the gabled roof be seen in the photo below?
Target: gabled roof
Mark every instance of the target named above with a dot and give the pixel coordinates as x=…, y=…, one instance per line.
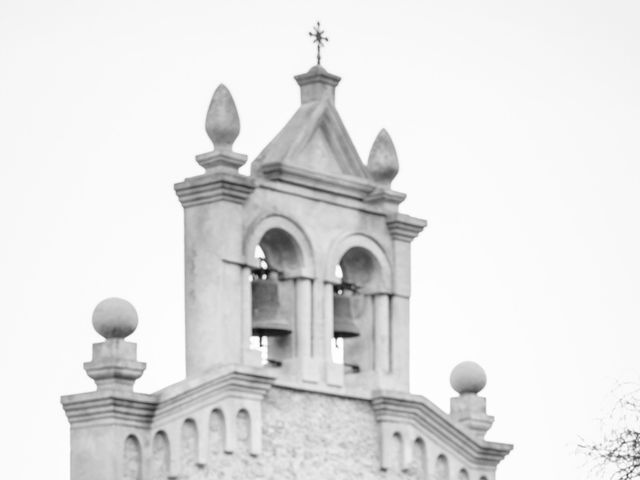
x=314, y=140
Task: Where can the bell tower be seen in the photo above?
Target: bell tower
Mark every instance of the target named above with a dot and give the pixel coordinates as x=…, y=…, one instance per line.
x=297, y=286
x=330, y=298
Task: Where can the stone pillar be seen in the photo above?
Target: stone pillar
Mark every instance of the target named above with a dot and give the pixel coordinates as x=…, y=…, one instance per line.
x=400, y=340
x=403, y=230
x=334, y=372
x=110, y=427
x=213, y=211
x=303, y=318
x=381, y=332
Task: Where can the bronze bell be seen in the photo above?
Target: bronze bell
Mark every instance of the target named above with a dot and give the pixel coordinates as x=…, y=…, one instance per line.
x=267, y=319
x=348, y=306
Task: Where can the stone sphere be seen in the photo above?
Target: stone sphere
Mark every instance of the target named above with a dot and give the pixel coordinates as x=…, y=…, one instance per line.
x=114, y=318
x=468, y=377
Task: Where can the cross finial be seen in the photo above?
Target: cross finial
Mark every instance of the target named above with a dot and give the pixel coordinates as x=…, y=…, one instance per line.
x=319, y=39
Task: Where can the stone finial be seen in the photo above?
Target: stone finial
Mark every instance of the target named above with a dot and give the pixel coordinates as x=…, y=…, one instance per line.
x=469, y=409
x=114, y=365
x=114, y=318
x=223, y=127
x=383, y=160
x=468, y=377
x=222, y=123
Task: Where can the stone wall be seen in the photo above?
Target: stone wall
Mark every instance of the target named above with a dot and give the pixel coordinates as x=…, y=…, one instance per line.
x=305, y=436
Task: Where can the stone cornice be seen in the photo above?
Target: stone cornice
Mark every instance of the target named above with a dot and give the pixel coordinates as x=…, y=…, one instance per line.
x=404, y=227
x=386, y=196
x=224, y=382
x=425, y=416
x=350, y=187
x=214, y=187
x=107, y=408
x=317, y=75
x=315, y=195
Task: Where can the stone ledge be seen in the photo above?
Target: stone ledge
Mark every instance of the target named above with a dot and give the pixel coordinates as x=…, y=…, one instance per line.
x=221, y=161
x=405, y=227
x=106, y=408
x=228, y=381
x=210, y=188
x=403, y=408
x=386, y=198
x=350, y=187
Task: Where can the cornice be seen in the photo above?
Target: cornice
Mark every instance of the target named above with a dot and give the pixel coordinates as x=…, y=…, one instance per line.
x=400, y=407
x=229, y=381
x=107, y=408
x=382, y=195
x=350, y=187
x=214, y=187
x=404, y=227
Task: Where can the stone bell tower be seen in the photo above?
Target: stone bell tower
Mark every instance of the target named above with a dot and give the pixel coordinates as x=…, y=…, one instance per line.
x=311, y=205
x=297, y=287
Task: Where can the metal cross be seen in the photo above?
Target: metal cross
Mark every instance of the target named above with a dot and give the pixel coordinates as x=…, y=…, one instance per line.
x=318, y=38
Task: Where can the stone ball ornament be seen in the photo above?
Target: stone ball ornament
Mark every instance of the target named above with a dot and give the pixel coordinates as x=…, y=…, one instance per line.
x=468, y=377
x=114, y=318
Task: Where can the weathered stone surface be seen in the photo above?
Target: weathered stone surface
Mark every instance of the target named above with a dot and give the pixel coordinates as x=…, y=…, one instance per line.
x=383, y=160
x=222, y=123
x=311, y=205
x=306, y=436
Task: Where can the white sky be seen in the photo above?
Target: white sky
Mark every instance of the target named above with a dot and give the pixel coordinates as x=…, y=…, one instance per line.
x=516, y=127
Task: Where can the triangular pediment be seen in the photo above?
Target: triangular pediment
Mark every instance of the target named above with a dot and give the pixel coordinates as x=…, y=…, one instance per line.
x=316, y=141
x=318, y=155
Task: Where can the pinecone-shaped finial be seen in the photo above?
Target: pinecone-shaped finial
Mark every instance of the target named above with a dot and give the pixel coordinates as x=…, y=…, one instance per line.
x=383, y=160
x=222, y=124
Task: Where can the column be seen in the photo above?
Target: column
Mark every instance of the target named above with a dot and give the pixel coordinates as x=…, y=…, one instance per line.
x=382, y=349
x=328, y=322
x=303, y=317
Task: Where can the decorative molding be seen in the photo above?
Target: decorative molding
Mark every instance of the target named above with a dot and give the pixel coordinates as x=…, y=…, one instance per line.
x=401, y=408
x=230, y=381
x=105, y=408
x=210, y=188
x=297, y=191
x=117, y=373
x=221, y=161
x=317, y=75
x=383, y=195
x=404, y=227
x=350, y=187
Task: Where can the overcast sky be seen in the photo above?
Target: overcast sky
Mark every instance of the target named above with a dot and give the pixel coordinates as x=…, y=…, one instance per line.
x=516, y=128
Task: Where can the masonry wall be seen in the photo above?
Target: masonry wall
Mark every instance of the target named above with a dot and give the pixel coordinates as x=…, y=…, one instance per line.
x=305, y=436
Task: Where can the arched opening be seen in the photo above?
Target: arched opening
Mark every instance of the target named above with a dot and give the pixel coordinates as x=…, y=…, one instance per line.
x=442, y=468
x=397, y=451
x=132, y=468
x=278, y=260
x=216, y=432
x=243, y=431
x=189, y=446
x=463, y=474
x=161, y=456
x=420, y=459
x=359, y=279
